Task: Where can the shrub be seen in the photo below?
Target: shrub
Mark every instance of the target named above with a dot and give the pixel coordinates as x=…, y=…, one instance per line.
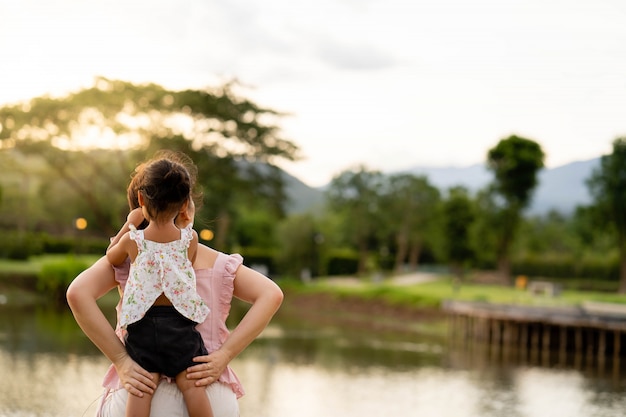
x=55, y=276
x=255, y=256
x=605, y=267
x=342, y=262
x=20, y=245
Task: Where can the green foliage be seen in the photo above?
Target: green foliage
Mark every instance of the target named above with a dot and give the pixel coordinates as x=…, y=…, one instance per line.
x=356, y=194
x=255, y=228
x=24, y=245
x=484, y=231
x=56, y=275
x=411, y=207
x=459, y=215
x=301, y=245
x=383, y=221
x=515, y=162
x=342, y=262
x=608, y=187
x=21, y=245
x=554, y=265
x=233, y=142
x=121, y=108
x=254, y=256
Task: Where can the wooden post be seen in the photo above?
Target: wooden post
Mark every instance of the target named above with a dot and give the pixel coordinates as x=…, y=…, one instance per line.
x=545, y=345
x=451, y=321
x=507, y=341
x=616, y=355
x=578, y=342
x=496, y=339
x=497, y=332
x=601, y=350
x=590, y=347
x=563, y=346
x=545, y=342
x=534, y=343
x=524, y=341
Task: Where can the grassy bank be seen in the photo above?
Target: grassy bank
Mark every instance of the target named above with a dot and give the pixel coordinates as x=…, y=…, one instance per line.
x=40, y=279
x=425, y=295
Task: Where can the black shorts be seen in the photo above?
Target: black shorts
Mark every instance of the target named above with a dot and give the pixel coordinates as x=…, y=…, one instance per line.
x=164, y=341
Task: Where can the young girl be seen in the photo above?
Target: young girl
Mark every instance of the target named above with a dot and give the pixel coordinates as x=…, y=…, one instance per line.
x=160, y=307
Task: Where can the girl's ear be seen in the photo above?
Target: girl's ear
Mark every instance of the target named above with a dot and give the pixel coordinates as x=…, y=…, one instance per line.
x=140, y=198
x=183, y=213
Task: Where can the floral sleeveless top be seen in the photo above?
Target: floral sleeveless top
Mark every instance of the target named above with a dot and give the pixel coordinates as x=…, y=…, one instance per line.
x=161, y=268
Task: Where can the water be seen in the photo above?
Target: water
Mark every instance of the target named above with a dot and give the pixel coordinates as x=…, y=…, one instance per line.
x=50, y=369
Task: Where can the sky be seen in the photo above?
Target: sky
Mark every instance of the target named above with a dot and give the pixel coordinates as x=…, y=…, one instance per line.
x=387, y=84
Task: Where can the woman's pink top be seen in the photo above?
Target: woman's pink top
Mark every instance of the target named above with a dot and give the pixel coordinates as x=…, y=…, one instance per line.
x=215, y=286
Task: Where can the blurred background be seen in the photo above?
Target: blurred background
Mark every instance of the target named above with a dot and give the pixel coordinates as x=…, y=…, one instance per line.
x=397, y=154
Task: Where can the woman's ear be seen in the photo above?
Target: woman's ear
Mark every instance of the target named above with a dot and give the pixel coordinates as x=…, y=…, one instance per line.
x=140, y=198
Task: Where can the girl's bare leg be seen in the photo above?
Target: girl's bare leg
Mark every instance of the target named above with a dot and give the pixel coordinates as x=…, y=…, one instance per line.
x=196, y=400
x=140, y=406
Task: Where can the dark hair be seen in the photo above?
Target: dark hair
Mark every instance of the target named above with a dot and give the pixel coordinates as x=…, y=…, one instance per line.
x=165, y=186
x=134, y=186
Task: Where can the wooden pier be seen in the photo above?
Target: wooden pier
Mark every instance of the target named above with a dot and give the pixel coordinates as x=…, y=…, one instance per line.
x=594, y=331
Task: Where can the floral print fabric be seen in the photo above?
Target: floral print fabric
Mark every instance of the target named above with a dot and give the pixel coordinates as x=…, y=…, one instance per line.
x=161, y=268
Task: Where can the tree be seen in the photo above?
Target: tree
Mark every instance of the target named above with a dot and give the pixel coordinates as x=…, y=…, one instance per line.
x=607, y=185
x=458, y=218
x=515, y=163
x=300, y=241
x=224, y=134
x=357, y=195
x=410, y=207
x=45, y=191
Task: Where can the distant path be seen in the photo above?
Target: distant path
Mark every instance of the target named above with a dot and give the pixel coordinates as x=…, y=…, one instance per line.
x=415, y=278
x=399, y=280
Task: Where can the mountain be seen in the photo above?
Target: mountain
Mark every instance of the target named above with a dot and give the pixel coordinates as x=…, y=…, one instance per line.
x=561, y=188
x=302, y=198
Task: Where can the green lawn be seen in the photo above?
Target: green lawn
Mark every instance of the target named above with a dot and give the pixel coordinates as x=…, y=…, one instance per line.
x=431, y=294
x=33, y=265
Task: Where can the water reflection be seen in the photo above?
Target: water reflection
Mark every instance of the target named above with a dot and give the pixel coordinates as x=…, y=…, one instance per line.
x=45, y=384
x=420, y=387
x=49, y=368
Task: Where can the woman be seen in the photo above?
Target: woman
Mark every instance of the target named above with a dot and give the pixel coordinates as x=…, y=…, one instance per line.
x=219, y=278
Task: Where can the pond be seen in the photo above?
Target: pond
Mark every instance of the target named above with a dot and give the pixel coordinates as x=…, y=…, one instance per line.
x=50, y=369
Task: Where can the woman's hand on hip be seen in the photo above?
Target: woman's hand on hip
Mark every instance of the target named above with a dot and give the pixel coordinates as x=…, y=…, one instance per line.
x=134, y=378
x=209, y=368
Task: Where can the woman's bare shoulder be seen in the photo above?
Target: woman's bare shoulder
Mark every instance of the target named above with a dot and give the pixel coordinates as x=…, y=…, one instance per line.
x=206, y=257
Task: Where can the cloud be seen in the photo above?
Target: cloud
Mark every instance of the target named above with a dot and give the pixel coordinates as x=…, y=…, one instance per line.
x=354, y=56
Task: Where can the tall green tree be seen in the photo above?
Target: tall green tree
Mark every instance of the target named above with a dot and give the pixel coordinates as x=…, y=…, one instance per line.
x=356, y=194
x=607, y=185
x=515, y=163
